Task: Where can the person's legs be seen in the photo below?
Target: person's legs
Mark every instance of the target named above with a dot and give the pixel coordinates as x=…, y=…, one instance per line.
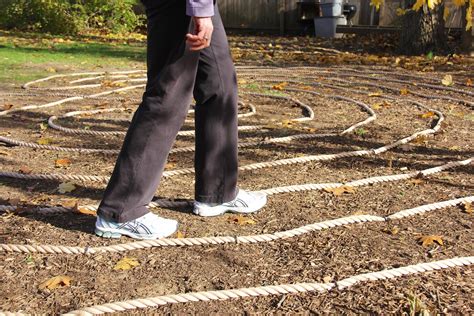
x=171, y=76
x=216, y=162
x=172, y=72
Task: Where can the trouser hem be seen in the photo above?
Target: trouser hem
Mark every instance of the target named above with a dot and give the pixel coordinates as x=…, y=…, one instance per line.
x=112, y=216
x=216, y=199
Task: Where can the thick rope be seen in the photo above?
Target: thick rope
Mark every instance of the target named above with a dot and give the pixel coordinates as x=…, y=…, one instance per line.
x=137, y=304
x=338, y=81
x=69, y=99
x=251, y=239
x=270, y=191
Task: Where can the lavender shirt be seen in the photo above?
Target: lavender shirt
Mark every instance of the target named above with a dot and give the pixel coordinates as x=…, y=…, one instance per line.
x=200, y=8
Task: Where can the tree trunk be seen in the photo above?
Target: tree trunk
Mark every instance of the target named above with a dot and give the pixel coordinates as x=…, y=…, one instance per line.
x=423, y=31
x=467, y=36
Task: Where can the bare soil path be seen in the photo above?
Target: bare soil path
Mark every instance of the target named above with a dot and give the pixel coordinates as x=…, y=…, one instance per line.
x=345, y=108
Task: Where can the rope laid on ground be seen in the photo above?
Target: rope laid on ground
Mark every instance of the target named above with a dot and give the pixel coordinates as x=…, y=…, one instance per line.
x=270, y=191
x=280, y=289
x=51, y=123
x=69, y=99
x=251, y=239
x=123, y=77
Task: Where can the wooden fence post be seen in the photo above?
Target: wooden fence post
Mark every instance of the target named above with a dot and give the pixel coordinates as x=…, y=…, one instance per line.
x=281, y=11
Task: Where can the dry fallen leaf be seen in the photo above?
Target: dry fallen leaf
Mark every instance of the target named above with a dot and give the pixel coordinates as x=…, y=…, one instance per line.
x=430, y=239
x=328, y=279
x=341, y=190
x=44, y=141
x=447, y=80
x=420, y=140
x=55, y=282
x=84, y=211
x=469, y=83
x=378, y=106
x=241, y=220
x=392, y=230
x=106, y=83
x=7, y=106
x=429, y=114
x=170, y=165
x=126, y=263
x=288, y=123
x=43, y=126
x=404, y=91
x=66, y=187
x=280, y=86
x=416, y=181
x=25, y=170
x=179, y=234
x=467, y=207
x=417, y=306
x=375, y=94
x=69, y=203
x=310, y=130
x=64, y=162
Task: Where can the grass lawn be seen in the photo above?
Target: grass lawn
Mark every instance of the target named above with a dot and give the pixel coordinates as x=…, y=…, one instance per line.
x=26, y=56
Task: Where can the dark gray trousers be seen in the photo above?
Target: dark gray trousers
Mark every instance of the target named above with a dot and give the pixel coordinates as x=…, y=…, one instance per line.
x=175, y=74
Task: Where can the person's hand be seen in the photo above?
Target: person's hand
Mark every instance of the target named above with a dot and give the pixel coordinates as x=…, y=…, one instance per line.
x=202, y=34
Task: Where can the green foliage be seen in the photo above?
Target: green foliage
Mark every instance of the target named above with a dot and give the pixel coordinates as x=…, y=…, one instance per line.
x=116, y=16
x=361, y=132
x=51, y=16
x=70, y=16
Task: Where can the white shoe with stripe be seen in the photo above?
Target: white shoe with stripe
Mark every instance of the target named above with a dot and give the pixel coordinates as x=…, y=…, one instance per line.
x=149, y=226
x=244, y=203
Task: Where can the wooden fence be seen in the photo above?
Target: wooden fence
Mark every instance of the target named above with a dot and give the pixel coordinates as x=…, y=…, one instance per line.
x=281, y=16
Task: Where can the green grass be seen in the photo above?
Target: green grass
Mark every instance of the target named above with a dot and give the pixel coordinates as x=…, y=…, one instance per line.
x=255, y=87
x=25, y=57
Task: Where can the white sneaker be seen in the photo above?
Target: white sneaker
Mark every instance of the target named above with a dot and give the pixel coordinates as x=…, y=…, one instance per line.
x=149, y=226
x=245, y=202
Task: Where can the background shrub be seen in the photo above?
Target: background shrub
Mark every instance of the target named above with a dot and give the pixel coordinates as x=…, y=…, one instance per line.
x=53, y=16
x=70, y=16
x=115, y=16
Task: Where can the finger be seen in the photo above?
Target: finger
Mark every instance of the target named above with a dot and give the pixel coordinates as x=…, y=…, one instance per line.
x=194, y=42
x=201, y=34
x=207, y=36
x=197, y=47
x=208, y=39
x=193, y=36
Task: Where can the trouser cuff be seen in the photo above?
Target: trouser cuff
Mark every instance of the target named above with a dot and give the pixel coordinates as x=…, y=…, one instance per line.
x=217, y=199
x=113, y=216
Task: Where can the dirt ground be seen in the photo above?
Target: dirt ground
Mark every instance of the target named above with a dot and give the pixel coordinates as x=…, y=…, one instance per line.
x=323, y=256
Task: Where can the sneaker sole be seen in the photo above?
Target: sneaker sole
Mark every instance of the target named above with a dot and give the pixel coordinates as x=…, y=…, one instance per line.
x=114, y=234
x=221, y=210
